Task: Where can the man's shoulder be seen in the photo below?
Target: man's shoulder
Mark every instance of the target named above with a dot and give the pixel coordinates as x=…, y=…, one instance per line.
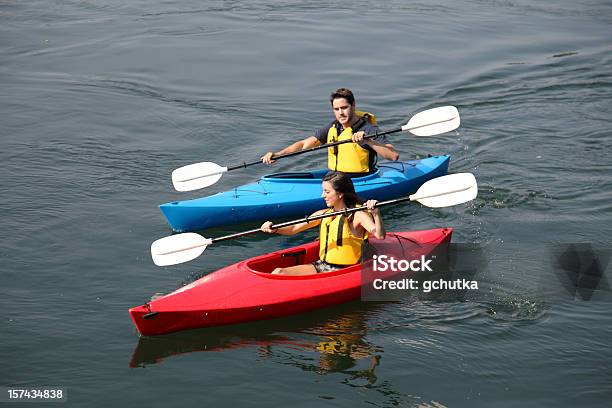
x=369, y=128
x=329, y=125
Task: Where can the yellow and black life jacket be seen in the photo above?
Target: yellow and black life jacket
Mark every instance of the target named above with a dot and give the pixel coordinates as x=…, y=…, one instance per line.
x=350, y=157
x=337, y=244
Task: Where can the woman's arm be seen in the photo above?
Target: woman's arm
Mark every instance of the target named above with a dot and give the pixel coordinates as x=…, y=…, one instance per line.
x=373, y=223
x=292, y=229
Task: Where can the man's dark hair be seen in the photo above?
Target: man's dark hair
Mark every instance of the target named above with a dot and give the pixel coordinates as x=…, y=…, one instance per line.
x=342, y=93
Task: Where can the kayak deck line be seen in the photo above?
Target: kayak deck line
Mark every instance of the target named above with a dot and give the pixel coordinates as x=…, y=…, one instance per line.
x=246, y=291
x=403, y=163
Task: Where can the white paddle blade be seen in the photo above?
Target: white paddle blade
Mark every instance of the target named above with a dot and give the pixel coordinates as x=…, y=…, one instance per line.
x=447, y=190
x=179, y=248
x=196, y=176
x=434, y=121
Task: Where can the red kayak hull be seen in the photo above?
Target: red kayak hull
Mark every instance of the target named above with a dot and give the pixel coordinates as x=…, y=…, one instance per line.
x=246, y=291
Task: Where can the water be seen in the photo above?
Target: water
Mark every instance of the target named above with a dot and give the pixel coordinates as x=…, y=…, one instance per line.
x=102, y=100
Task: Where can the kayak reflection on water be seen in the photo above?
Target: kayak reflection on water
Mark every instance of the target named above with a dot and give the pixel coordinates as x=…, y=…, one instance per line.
x=341, y=237
x=338, y=337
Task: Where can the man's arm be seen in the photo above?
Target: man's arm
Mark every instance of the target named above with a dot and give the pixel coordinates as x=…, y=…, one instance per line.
x=386, y=151
x=303, y=144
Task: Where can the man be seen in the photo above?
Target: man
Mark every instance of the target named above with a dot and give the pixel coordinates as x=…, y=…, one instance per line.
x=357, y=158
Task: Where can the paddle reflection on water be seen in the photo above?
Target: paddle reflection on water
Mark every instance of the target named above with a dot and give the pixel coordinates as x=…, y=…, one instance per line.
x=337, y=335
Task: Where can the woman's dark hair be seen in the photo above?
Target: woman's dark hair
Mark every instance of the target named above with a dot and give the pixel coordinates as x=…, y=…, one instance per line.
x=343, y=185
x=342, y=93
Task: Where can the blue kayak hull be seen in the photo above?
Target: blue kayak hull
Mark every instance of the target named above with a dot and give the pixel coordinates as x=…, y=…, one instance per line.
x=285, y=195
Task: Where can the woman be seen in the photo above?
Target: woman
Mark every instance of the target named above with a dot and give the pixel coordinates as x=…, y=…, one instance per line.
x=340, y=237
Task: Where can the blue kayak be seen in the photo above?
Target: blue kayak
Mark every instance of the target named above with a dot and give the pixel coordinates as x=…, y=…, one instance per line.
x=284, y=195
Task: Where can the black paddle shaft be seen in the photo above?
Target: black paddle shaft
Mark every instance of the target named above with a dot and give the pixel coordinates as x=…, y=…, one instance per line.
x=311, y=218
x=312, y=149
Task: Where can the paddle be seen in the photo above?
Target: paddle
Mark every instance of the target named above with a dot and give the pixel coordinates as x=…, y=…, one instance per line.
x=427, y=123
x=440, y=192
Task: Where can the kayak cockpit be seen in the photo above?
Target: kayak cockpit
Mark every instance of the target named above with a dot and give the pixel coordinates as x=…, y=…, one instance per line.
x=303, y=175
x=265, y=264
x=312, y=176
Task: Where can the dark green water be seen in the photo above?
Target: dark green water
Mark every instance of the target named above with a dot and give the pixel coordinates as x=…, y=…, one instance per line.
x=101, y=100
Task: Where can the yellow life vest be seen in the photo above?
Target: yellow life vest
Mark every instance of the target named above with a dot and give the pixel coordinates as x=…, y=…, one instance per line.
x=367, y=116
x=349, y=157
x=337, y=245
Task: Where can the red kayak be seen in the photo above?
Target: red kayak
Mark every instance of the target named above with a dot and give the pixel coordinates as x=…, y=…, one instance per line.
x=246, y=291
